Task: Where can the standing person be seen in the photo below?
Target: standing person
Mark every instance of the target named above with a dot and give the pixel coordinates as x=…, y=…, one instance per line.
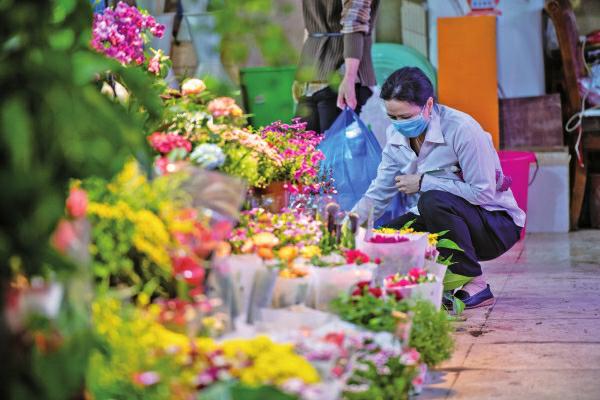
x=339, y=42
x=449, y=160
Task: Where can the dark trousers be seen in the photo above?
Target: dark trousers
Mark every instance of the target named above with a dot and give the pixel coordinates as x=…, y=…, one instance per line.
x=320, y=110
x=483, y=235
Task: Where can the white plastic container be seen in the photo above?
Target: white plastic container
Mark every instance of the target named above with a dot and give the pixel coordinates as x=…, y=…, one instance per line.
x=548, y=201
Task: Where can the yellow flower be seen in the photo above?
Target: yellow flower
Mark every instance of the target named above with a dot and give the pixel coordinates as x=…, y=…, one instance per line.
x=310, y=251
x=288, y=254
x=433, y=239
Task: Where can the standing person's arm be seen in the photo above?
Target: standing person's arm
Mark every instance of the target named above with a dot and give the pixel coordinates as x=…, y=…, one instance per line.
x=356, y=19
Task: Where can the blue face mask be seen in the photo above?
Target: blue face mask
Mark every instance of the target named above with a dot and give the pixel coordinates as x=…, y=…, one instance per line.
x=412, y=127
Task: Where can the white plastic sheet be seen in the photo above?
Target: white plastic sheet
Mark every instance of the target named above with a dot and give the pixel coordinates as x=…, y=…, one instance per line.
x=327, y=283
x=395, y=257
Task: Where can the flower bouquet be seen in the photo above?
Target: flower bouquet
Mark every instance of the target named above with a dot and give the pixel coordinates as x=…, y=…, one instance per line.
x=418, y=283
x=299, y=169
x=397, y=251
x=330, y=280
x=210, y=132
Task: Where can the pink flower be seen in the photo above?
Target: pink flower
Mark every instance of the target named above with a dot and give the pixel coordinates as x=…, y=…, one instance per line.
x=224, y=107
x=154, y=64
x=410, y=357
x=416, y=273
x=147, y=378
x=164, y=143
x=119, y=33
x=77, y=203
x=399, y=283
x=64, y=235
x=378, y=238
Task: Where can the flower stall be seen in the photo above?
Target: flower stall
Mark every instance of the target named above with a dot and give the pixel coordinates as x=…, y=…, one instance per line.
x=217, y=264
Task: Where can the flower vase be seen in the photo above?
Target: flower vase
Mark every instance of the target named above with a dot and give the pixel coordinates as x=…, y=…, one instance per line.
x=276, y=196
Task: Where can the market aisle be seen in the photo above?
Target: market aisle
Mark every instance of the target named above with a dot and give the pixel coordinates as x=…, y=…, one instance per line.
x=541, y=340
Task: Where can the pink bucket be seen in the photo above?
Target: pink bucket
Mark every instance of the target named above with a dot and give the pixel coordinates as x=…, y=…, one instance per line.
x=516, y=165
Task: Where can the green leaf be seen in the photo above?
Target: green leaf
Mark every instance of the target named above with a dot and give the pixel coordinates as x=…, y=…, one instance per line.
x=448, y=244
x=409, y=223
x=458, y=306
x=442, y=233
x=454, y=281
x=17, y=132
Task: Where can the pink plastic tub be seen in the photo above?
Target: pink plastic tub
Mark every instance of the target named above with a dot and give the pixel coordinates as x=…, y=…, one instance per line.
x=516, y=165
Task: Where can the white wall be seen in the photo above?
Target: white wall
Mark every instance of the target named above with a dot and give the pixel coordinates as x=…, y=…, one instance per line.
x=520, y=45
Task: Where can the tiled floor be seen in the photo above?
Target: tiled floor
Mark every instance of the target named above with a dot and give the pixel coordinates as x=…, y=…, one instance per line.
x=541, y=340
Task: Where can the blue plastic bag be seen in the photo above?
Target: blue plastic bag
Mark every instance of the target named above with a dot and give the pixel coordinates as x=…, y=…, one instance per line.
x=352, y=155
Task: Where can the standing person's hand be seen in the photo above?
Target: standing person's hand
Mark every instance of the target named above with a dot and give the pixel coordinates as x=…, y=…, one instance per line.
x=347, y=93
x=347, y=90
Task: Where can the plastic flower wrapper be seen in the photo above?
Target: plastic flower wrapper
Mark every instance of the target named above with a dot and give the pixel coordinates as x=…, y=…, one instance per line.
x=418, y=283
x=245, y=284
x=219, y=196
x=395, y=257
x=328, y=283
x=291, y=291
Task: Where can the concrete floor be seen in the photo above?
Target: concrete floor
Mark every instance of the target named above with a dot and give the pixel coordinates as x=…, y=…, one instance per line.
x=541, y=339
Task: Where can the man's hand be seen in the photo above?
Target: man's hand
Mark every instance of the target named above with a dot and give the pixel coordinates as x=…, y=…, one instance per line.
x=408, y=184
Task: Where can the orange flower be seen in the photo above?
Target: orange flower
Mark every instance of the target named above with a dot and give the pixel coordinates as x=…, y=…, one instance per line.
x=288, y=254
x=265, y=252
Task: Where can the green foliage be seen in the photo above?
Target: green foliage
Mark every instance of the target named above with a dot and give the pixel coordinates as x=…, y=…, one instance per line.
x=453, y=281
x=245, y=24
x=431, y=333
x=448, y=244
x=373, y=313
x=394, y=385
x=56, y=124
x=431, y=329
x=235, y=390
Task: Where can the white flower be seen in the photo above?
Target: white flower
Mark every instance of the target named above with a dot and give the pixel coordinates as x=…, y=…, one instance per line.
x=209, y=156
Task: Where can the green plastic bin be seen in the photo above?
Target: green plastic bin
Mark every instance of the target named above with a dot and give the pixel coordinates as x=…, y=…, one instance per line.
x=388, y=57
x=267, y=93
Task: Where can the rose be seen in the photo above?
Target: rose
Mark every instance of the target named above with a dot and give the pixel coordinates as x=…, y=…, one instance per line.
x=77, y=203
x=193, y=86
x=223, y=107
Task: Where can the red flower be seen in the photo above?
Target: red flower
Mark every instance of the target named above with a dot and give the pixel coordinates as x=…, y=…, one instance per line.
x=77, y=203
x=356, y=257
x=164, y=143
x=188, y=269
x=400, y=283
x=416, y=273
x=396, y=292
x=377, y=261
x=376, y=291
x=335, y=338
